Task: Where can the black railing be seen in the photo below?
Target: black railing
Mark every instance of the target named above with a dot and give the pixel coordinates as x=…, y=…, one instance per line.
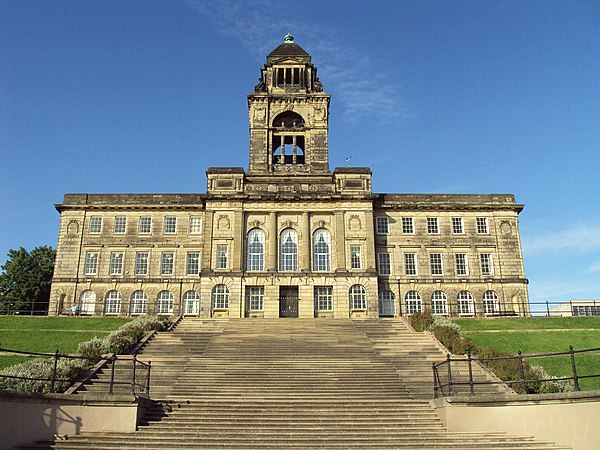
x=574, y=370
x=56, y=373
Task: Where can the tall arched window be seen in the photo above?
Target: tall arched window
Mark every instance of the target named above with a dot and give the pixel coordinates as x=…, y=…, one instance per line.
x=191, y=303
x=439, y=303
x=112, y=305
x=413, y=302
x=386, y=303
x=255, y=250
x=220, y=297
x=465, y=303
x=321, y=250
x=288, y=139
x=490, y=302
x=358, y=297
x=87, y=301
x=164, y=303
x=288, y=250
x=139, y=300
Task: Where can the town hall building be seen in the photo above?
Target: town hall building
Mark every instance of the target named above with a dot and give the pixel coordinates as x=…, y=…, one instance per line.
x=289, y=237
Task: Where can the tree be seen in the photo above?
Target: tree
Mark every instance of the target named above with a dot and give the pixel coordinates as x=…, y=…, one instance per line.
x=25, y=281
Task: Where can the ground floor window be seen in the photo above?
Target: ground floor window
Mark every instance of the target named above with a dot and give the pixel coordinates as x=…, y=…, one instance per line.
x=164, y=303
x=255, y=297
x=439, y=303
x=324, y=298
x=490, y=303
x=87, y=301
x=113, y=302
x=358, y=297
x=139, y=300
x=465, y=303
x=413, y=302
x=191, y=303
x=386, y=303
x=220, y=297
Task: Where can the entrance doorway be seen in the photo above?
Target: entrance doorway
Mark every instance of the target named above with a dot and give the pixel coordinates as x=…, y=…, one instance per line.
x=288, y=301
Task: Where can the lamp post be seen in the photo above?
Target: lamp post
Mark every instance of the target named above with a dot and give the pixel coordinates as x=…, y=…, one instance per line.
x=399, y=296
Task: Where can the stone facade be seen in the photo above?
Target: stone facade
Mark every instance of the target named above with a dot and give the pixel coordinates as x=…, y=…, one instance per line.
x=289, y=237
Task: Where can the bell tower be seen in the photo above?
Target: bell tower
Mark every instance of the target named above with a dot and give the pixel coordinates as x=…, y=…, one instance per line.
x=289, y=114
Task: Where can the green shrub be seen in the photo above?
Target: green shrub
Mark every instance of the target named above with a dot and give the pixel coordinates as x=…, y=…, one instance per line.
x=450, y=337
x=39, y=374
x=94, y=348
x=420, y=321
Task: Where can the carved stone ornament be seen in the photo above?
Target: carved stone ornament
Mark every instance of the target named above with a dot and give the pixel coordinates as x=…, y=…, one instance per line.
x=223, y=223
x=321, y=223
x=505, y=227
x=287, y=224
x=254, y=224
x=354, y=223
x=259, y=114
x=73, y=227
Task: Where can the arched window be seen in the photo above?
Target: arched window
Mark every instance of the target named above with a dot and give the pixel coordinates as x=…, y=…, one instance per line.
x=139, y=300
x=465, y=303
x=439, y=303
x=386, y=303
x=358, y=297
x=191, y=303
x=112, y=305
x=490, y=302
x=220, y=297
x=288, y=250
x=164, y=303
x=255, y=250
x=87, y=301
x=321, y=249
x=413, y=302
x=288, y=139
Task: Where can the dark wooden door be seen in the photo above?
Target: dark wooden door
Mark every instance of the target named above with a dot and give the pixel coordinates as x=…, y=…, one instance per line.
x=288, y=301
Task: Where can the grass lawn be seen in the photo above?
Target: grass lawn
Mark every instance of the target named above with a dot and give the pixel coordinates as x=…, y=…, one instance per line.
x=542, y=335
x=47, y=334
x=533, y=323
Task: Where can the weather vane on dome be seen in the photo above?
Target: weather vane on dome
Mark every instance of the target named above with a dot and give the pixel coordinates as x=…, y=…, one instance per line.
x=288, y=39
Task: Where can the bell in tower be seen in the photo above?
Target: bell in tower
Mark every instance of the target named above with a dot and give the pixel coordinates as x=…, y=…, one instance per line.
x=288, y=113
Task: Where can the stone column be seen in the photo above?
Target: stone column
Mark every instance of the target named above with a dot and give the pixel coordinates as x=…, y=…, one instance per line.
x=305, y=242
x=273, y=243
x=339, y=238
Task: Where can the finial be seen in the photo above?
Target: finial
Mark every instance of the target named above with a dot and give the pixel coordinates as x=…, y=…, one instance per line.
x=288, y=38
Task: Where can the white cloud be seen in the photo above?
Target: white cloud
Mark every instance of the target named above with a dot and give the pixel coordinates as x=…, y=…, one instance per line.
x=581, y=238
x=359, y=88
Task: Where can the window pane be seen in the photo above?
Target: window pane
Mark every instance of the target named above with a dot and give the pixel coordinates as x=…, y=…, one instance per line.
x=457, y=225
x=435, y=262
x=355, y=257
x=482, y=225
x=324, y=298
x=145, y=225
x=408, y=226
x=193, y=263
x=220, y=296
x=254, y=298
x=382, y=225
x=410, y=264
x=90, y=266
x=462, y=267
x=95, y=225
x=116, y=264
x=167, y=263
x=255, y=250
x=288, y=251
x=487, y=266
x=195, y=225
x=164, y=303
x=141, y=263
x=120, y=225
x=321, y=248
x=222, y=256
x=170, y=225
x=384, y=262
x=433, y=226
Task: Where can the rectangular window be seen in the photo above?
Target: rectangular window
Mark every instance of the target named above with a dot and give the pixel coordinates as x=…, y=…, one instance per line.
x=90, y=266
x=120, y=225
x=410, y=263
x=324, y=298
x=462, y=264
x=435, y=264
x=170, y=225
x=95, y=225
x=384, y=263
x=193, y=263
x=145, y=225
x=482, y=225
x=141, y=263
x=457, y=225
x=355, y=257
x=115, y=266
x=167, y=263
x=222, y=256
x=195, y=225
x=382, y=225
x=254, y=297
x=408, y=225
x=433, y=225
x=487, y=264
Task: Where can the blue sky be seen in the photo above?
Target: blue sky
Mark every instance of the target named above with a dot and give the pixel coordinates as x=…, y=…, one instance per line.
x=436, y=97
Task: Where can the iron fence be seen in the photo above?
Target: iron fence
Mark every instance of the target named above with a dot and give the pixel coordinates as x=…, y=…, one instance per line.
x=57, y=373
x=574, y=370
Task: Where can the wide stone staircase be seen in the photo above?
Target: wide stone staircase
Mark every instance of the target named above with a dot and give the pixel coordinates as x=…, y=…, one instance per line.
x=290, y=383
